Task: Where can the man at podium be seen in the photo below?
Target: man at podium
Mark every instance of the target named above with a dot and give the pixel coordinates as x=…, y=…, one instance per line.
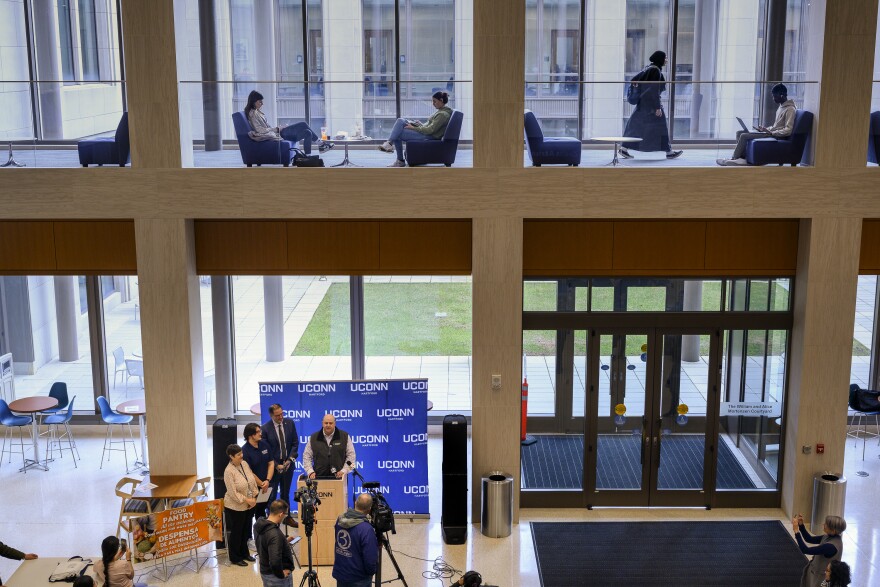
x=328, y=451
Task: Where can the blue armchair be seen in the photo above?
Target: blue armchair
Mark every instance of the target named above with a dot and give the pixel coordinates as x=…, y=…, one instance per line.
x=874, y=138
x=110, y=150
x=442, y=151
x=549, y=150
x=259, y=152
x=783, y=150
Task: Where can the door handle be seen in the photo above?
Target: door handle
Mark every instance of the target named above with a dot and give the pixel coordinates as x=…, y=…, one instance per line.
x=645, y=447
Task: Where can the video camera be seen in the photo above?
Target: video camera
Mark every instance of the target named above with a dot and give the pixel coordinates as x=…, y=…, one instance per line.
x=307, y=496
x=381, y=514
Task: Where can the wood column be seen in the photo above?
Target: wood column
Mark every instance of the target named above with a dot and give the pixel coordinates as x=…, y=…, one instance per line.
x=497, y=350
x=499, y=83
x=845, y=92
x=821, y=354
x=171, y=333
x=151, y=83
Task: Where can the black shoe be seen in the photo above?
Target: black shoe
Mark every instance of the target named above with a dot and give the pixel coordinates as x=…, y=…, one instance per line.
x=250, y=558
x=624, y=153
x=240, y=563
x=674, y=154
x=324, y=147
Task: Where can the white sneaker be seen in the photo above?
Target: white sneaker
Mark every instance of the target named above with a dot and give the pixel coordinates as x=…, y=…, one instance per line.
x=398, y=163
x=387, y=147
x=739, y=161
x=721, y=162
x=251, y=544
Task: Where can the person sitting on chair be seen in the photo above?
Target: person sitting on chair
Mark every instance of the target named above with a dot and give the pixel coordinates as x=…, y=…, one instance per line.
x=782, y=127
x=299, y=131
x=414, y=130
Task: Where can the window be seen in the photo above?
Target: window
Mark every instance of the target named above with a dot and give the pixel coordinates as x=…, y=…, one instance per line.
x=88, y=39
x=68, y=73
x=122, y=338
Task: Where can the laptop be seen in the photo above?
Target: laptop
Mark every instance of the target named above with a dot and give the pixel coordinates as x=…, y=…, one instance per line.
x=742, y=124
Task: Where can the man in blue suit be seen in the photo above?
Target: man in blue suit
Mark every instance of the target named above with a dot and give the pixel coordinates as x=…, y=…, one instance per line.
x=280, y=433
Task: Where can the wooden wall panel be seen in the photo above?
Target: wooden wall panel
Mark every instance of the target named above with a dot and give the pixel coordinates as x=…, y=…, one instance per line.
x=869, y=257
x=651, y=248
x=333, y=247
x=104, y=246
x=27, y=246
x=752, y=247
x=240, y=247
x=568, y=247
x=425, y=247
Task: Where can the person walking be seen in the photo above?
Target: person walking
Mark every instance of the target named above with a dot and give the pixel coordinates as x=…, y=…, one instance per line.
x=648, y=121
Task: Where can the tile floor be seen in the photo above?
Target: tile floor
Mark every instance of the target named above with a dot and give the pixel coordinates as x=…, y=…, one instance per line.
x=68, y=511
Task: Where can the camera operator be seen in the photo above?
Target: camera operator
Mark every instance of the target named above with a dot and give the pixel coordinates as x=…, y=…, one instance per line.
x=469, y=579
x=280, y=434
x=357, y=549
x=276, y=561
x=328, y=451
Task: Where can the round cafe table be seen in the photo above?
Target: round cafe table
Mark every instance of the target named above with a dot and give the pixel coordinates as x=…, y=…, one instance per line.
x=137, y=407
x=345, y=160
x=616, y=140
x=255, y=409
x=32, y=406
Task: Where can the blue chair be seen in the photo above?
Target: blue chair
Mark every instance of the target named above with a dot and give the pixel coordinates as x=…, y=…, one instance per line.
x=107, y=150
x=53, y=422
x=442, y=151
x=874, y=138
x=259, y=152
x=549, y=150
x=112, y=419
x=59, y=392
x=786, y=150
x=10, y=421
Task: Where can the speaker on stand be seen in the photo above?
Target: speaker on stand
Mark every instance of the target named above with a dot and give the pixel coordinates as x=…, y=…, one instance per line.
x=453, y=519
x=225, y=432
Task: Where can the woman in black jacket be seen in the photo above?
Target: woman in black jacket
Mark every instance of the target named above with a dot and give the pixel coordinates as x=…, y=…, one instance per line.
x=648, y=121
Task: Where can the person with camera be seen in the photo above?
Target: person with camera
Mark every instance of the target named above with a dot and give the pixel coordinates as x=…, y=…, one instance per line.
x=238, y=503
x=280, y=434
x=357, y=549
x=16, y=555
x=276, y=560
x=115, y=568
x=329, y=451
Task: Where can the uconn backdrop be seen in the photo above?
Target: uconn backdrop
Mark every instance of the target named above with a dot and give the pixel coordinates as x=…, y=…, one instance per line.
x=387, y=421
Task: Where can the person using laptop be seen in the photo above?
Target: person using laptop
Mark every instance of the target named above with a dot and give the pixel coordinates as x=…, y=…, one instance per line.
x=782, y=127
x=328, y=451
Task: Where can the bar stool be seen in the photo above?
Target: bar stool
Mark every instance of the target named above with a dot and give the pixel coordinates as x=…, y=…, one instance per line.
x=9, y=420
x=861, y=419
x=112, y=419
x=63, y=419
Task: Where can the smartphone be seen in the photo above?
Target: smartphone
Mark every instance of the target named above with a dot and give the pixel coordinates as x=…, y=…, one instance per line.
x=123, y=545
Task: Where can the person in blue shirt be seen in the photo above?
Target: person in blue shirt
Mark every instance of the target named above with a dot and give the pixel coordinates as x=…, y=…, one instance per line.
x=357, y=548
x=258, y=456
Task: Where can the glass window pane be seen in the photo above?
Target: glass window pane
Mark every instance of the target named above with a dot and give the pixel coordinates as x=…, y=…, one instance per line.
x=646, y=299
x=47, y=333
x=539, y=348
x=65, y=41
x=380, y=67
x=539, y=296
x=420, y=326
x=208, y=342
x=780, y=294
x=302, y=333
x=863, y=331
x=122, y=338
x=759, y=295
x=88, y=38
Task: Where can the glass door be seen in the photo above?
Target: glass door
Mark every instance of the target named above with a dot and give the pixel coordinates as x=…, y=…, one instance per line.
x=650, y=442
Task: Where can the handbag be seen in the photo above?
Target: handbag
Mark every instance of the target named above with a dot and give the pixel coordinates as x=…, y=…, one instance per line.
x=863, y=400
x=300, y=159
x=70, y=570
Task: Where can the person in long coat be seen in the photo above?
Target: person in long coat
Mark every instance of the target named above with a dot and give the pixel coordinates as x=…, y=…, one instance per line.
x=648, y=121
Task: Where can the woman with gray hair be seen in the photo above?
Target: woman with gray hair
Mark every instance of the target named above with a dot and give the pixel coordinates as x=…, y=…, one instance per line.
x=827, y=548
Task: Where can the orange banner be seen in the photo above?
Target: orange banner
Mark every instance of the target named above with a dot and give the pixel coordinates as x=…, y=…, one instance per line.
x=178, y=530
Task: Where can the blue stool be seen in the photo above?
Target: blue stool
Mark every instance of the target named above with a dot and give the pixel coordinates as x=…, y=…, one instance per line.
x=62, y=419
x=112, y=419
x=9, y=420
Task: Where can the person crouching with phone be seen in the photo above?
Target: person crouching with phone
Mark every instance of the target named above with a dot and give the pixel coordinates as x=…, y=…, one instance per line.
x=115, y=568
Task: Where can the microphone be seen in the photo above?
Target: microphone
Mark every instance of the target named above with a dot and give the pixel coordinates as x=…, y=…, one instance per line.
x=355, y=473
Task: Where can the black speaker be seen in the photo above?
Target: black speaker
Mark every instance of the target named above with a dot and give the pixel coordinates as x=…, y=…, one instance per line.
x=225, y=433
x=453, y=519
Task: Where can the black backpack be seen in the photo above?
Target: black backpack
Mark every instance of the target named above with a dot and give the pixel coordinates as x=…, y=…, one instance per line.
x=633, y=92
x=300, y=159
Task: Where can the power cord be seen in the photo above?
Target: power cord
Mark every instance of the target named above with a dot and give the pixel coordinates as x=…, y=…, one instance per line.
x=440, y=570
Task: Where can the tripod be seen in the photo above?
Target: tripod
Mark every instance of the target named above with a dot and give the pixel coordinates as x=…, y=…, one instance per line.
x=384, y=541
x=311, y=575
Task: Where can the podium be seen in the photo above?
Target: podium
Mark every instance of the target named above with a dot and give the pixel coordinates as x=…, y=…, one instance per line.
x=333, y=494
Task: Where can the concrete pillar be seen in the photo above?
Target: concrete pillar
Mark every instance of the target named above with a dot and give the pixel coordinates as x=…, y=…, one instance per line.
x=66, y=313
x=604, y=60
x=273, y=300
x=171, y=333
x=821, y=354
x=693, y=301
x=224, y=374
x=343, y=61
x=48, y=64
x=264, y=25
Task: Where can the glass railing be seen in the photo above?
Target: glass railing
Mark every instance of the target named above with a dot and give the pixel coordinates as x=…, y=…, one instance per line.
x=41, y=123
x=356, y=117
x=699, y=118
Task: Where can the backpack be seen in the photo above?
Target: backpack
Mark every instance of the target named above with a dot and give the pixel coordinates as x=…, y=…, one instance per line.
x=300, y=159
x=633, y=92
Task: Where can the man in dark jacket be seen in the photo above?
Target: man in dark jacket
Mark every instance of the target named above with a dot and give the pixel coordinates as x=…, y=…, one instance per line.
x=280, y=434
x=16, y=555
x=276, y=560
x=357, y=550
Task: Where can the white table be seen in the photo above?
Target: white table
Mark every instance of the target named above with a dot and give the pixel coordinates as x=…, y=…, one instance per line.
x=345, y=160
x=33, y=406
x=138, y=407
x=36, y=573
x=11, y=162
x=616, y=140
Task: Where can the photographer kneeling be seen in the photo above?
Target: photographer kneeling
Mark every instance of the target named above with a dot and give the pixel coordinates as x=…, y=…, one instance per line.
x=276, y=561
x=357, y=549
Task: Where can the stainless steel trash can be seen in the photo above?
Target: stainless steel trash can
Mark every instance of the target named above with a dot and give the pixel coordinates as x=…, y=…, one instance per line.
x=829, y=495
x=496, y=519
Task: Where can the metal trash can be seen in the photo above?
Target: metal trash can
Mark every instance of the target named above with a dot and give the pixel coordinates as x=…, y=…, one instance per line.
x=496, y=519
x=829, y=495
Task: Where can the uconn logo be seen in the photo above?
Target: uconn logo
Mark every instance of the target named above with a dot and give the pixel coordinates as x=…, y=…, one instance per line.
x=368, y=386
x=298, y=414
x=346, y=414
x=396, y=465
x=370, y=439
x=395, y=413
x=415, y=490
x=271, y=388
x=415, y=438
x=383, y=489
x=316, y=388
x=415, y=386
